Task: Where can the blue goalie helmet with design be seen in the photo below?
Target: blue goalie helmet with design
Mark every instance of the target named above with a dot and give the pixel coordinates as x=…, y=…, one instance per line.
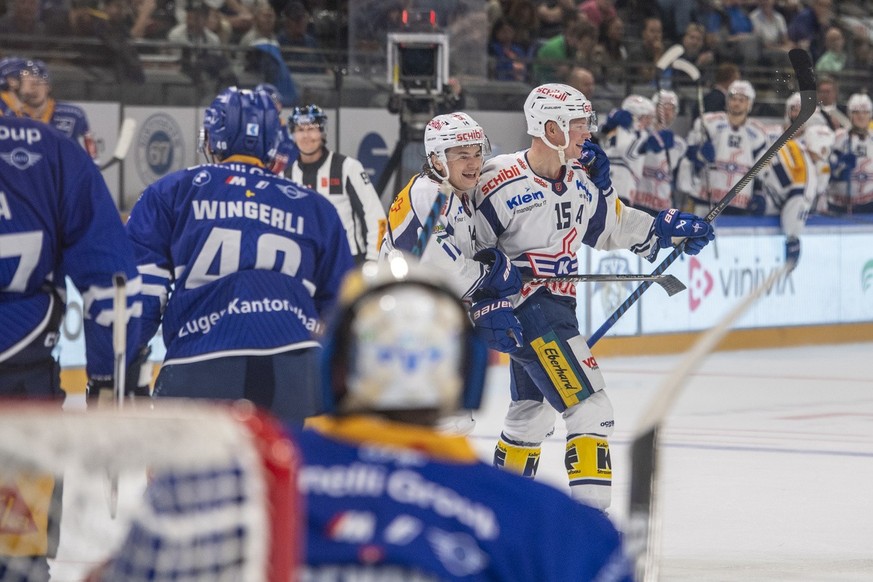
x=241, y=122
x=401, y=340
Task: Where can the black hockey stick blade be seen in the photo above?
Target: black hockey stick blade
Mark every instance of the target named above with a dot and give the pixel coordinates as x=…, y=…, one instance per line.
x=669, y=283
x=805, y=75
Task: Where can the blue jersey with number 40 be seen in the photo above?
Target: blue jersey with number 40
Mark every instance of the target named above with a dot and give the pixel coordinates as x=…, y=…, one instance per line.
x=235, y=260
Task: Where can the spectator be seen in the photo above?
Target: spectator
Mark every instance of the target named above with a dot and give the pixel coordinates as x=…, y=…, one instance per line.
x=833, y=60
x=597, y=11
x=219, y=24
x=151, y=19
x=294, y=34
x=716, y=98
x=553, y=16
x=238, y=14
x=22, y=17
x=558, y=54
x=522, y=15
x=582, y=80
x=696, y=50
x=731, y=33
x=264, y=58
x=644, y=56
x=110, y=26
x=770, y=27
x=264, y=27
x=828, y=96
x=677, y=16
x=614, y=64
x=198, y=62
x=808, y=27
x=509, y=60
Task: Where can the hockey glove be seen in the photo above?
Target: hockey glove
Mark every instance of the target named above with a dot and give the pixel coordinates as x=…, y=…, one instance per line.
x=701, y=155
x=673, y=223
x=496, y=323
x=502, y=278
x=842, y=165
x=136, y=382
x=792, y=251
x=597, y=163
x=617, y=118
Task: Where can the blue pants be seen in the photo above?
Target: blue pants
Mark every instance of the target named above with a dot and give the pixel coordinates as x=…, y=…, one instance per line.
x=286, y=384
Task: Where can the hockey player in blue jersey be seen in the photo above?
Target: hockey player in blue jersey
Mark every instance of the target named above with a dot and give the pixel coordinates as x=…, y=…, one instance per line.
x=388, y=497
x=10, y=69
x=238, y=265
x=34, y=95
x=57, y=219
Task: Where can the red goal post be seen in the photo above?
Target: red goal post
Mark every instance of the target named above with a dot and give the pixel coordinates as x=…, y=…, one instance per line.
x=206, y=492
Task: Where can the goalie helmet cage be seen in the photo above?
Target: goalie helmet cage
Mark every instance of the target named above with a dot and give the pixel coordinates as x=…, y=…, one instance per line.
x=207, y=492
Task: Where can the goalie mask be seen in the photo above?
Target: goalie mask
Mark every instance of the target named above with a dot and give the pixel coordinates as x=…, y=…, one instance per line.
x=241, y=122
x=401, y=340
x=558, y=103
x=452, y=130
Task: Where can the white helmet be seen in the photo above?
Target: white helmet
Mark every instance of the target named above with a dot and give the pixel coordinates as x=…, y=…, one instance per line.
x=859, y=102
x=638, y=106
x=792, y=107
x=400, y=339
x=452, y=130
x=666, y=97
x=743, y=88
x=819, y=139
x=558, y=103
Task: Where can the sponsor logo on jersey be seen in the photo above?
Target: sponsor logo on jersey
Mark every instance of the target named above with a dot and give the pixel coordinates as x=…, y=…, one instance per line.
x=502, y=176
x=202, y=178
x=291, y=191
x=29, y=134
x=20, y=158
x=64, y=124
x=236, y=181
x=160, y=148
x=522, y=199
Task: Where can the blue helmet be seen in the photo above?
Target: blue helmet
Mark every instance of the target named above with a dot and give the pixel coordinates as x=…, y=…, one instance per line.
x=36, y=69
x=310, y=114
x=272, y=91
x=243, y=122
x=10, y=67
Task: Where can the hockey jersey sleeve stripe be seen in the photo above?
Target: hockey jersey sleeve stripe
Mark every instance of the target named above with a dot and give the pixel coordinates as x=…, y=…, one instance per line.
x=597, y=222
x=153, y=269
x=155, y=291
x=98, y=292
x=489, y=213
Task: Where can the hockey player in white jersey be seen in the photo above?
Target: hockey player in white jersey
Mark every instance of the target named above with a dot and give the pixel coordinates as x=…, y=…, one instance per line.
x=737, y=142
x=791, y=182
x=851, y=188
x=339, y=178
x=539, y=206
x=626, y=144
x=456, y=147
x=253, y=260
x=664, y=150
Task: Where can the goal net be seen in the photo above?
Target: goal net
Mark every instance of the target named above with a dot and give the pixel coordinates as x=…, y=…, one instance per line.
x=166, y=491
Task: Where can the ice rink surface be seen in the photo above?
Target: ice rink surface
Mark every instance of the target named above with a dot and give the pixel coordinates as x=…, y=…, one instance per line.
x=766, y=461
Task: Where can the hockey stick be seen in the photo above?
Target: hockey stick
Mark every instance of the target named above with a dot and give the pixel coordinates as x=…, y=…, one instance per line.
x=669, y=283
x=643, y=531
x=668, y=58
x=125, y=138
x=119, y=349
x=805, y=75
x=432, y=216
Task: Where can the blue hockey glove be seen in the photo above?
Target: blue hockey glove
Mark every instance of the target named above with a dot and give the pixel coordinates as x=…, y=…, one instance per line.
x=668, y=138
x=700, y=155
x=502, y=279
x=707, y=151
x=792, y=251
x=652, y=144
x=673, y=223
x=617, y=118
x=842, y=165
x=496, y=323
x=597, y=163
